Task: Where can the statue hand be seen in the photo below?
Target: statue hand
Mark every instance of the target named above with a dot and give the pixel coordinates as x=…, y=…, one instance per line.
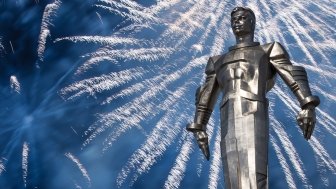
x=202, y=140
x=306, y=120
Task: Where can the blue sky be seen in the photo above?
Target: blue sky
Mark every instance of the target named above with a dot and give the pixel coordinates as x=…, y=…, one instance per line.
x=97, y=94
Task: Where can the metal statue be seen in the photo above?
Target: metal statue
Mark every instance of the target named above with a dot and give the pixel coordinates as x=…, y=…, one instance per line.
x=244, y=75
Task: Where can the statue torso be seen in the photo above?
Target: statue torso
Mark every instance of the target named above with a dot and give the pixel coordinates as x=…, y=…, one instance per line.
x=245, y=70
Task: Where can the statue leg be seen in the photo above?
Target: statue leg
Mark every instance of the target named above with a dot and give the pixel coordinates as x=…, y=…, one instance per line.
x=244, y=144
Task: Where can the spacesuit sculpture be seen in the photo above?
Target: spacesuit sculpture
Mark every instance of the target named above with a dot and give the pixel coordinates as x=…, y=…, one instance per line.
x=244, y=75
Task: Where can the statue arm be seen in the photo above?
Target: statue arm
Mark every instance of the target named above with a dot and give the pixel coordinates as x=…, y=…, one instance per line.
x=206, y=97
x=296, y=78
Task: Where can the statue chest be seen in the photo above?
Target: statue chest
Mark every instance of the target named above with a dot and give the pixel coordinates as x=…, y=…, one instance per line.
x=249, y=66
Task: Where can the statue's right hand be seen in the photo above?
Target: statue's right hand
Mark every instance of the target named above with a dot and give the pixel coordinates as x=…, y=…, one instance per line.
x=202, y=140
x=201, y=137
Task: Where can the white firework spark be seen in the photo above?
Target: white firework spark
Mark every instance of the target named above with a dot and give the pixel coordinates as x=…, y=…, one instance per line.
x=284, y=164
x=2, y=48
x=25, y=154
x=196, y=30
x=10, y=42
x=111, y=40
x=80, y=167
x=102, y=83
x=14, y=84
x=144, y=106
x=100, y=18
x=177, y=172
x=48, y=15
x=2, y=166
x=134, y=12
x=216, y=163
x=155, y=145
x=107, y=54
x=290, y=150
x=142, y=54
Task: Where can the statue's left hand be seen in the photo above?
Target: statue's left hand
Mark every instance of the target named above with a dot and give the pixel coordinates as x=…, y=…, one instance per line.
x=306, y=120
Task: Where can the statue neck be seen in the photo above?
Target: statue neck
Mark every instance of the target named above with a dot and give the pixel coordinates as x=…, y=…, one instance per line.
x=245, y=38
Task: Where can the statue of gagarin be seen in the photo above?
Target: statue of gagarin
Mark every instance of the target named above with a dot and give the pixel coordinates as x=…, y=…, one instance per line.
x=244, y=75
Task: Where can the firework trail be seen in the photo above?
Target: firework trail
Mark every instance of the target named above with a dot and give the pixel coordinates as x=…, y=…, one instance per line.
x=111, y=41
x=206, y=20
x=2, y=48
x=25, y=154
x=145, y=106
x=134, y=12
x=14, y=84
x=284, y=164
x=289, y=149
x=156, y=57
x=102, y=83
x=216, y=164
x=2, y=167
x=48, y=15
x=80, y=167
x=156, y=143
x=144, y=54
x=100, y=18
x=177, y=172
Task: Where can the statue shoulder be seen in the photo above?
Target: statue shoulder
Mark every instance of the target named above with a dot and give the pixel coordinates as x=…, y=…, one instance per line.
x=210, y=67
x=275, y=50
x=215, y=58
x=278, y=51
x=267, y=47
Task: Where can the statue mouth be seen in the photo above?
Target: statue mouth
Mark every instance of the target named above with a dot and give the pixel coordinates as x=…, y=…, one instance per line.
x=237, y=27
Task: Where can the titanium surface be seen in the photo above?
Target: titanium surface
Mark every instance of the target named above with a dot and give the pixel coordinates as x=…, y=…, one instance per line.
x=244, y=75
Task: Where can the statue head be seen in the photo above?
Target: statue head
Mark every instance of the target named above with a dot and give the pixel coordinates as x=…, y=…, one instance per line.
x=242, y=21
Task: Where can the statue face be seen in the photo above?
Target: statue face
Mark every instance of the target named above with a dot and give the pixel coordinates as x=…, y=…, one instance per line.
x=242, y=23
